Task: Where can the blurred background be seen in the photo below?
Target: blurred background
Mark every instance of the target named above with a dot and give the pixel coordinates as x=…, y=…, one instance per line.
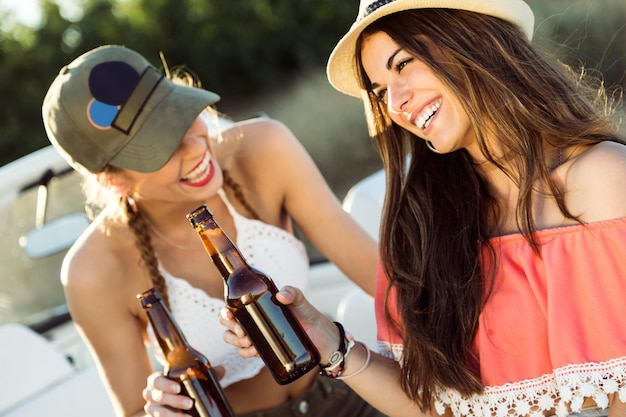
x=259, y=55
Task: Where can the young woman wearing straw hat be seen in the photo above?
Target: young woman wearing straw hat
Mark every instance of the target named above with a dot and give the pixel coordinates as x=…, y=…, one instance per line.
x=145, y=146
x=501, y=285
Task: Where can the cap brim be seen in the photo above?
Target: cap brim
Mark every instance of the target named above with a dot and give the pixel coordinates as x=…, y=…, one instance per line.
x=162, y=131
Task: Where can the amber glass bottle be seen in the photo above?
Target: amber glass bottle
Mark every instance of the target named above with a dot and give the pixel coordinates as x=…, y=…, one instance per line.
x=183, y=363
x=250, y=294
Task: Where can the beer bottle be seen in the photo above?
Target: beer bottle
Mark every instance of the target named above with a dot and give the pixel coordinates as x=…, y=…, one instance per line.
x=184, y=364
x=250, y=294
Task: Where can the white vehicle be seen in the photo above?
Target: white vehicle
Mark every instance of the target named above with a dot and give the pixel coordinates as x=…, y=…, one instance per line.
x=46, y=368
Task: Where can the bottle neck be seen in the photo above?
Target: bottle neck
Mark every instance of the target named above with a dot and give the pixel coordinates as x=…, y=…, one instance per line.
x=166, y=330
x=218, y=244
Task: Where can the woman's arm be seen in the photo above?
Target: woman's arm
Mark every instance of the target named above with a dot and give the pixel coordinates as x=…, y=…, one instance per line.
x=617, y=408
x=98, y=302
x=321, y=217
x=284, y=172
x=378, y=383
x=595, y=182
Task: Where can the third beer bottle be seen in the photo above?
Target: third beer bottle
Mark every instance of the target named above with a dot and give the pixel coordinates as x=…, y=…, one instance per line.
x=183, y=363
x=250, y=294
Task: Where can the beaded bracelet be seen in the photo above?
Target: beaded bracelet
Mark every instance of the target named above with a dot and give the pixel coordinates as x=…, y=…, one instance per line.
x=337, y=359
x=363, y=367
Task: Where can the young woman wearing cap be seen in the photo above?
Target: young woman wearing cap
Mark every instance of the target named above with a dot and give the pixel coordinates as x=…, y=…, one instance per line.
x=145, y=148
x=502, y=280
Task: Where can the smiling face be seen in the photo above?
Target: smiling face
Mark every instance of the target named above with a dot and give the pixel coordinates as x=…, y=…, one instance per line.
x=191, y=174
x=416, y=99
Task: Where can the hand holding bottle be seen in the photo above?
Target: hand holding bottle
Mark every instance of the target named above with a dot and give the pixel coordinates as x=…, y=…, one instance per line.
x=320, y=329
x=163, y=396
x=183, y=363
x=250, y=295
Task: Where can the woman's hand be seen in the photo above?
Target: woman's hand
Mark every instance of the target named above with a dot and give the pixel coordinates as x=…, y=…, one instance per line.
x=319, y=327
x=163, y=399
x=162, y=395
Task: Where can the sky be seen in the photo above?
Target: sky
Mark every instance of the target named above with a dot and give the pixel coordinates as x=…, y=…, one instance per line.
x=28, y=12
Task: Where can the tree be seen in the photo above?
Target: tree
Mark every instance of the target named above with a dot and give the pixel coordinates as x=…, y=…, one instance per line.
x=239, y=48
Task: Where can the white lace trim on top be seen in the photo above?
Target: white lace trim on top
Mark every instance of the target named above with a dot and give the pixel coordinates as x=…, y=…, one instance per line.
x=197, y=315
x=564, y=390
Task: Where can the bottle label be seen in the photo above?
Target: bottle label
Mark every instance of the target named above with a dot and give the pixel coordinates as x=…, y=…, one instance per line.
x=273, y=331
x=203, y=394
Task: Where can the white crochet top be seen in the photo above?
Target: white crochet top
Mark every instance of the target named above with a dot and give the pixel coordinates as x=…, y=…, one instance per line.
x=268, y=248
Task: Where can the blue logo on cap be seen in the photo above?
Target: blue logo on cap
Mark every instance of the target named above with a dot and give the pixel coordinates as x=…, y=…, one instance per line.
x=111, y=85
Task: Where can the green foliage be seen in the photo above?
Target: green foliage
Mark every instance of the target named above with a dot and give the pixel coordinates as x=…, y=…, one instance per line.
x=241, y=49
x=588, y=34
x=27, y=65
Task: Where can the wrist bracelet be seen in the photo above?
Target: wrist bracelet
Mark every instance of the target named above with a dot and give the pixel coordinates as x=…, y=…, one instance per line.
x=363, y=367
x=337, y=359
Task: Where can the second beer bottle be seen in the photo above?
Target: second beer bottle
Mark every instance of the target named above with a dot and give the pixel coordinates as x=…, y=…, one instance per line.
x=250, y=294
x=184, y=364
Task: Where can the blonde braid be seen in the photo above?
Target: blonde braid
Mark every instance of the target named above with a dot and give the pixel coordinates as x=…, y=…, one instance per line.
x=139, y=227
x=238, y=190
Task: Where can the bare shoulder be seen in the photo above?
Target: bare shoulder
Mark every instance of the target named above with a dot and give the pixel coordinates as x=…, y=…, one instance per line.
x=261, y=146
x=604, y=162
x=260, y=134
x=596, y=182
x=262, y=125
x=97, y=264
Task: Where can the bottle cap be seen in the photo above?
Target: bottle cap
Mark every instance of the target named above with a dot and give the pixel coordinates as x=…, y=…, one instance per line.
x=199, y=215
x=149, y=297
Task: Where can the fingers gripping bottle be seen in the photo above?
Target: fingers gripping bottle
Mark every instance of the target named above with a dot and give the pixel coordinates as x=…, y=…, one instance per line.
x=250, y=294
x=184, y=364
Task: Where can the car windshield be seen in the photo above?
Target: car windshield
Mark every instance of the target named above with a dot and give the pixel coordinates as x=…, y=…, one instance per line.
x=30, y=289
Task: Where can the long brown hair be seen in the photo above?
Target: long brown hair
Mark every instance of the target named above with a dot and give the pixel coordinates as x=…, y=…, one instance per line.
x=439, y=213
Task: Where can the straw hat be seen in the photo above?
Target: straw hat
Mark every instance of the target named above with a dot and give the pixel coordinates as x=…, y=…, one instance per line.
x=340, y=69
